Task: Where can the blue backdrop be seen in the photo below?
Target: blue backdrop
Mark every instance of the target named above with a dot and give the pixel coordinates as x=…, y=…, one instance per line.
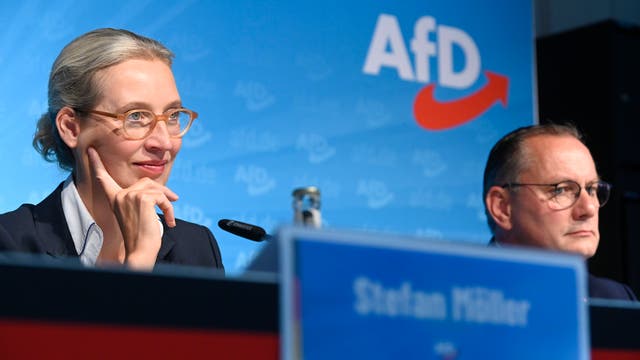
x=297, y=93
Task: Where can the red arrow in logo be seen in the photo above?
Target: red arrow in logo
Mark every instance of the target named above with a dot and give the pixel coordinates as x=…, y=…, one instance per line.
x=434, y=115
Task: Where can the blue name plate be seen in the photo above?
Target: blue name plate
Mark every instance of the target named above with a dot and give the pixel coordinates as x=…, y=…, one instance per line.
x=352, y=295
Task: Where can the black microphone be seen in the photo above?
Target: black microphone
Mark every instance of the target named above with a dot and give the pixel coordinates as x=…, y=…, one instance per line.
x=247, y=231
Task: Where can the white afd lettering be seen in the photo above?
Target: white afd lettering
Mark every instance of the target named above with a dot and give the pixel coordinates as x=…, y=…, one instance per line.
x=422, y=48
x=447, y=37
x=387, y=48
x=387, y=32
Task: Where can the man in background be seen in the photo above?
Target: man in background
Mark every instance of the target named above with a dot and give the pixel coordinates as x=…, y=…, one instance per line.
x=541, y=189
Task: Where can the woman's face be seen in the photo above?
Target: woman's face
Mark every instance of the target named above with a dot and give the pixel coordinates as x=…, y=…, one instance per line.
x=132, y=84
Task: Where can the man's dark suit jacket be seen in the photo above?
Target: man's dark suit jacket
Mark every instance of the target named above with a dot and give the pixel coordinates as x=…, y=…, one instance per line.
x=600, y=287
x=43, y=229
x=608, y=289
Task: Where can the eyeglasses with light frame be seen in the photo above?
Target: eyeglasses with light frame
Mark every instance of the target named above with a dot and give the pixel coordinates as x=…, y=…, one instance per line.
x=138, y=123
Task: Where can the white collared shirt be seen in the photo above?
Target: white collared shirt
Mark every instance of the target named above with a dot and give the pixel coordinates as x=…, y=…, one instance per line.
x=86, y=234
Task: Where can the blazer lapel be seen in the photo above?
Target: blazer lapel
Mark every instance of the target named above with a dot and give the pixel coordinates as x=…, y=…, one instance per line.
x=51, y=226
x=167, y=241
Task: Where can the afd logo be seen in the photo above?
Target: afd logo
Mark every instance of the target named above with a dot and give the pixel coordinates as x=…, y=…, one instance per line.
x=387, y=49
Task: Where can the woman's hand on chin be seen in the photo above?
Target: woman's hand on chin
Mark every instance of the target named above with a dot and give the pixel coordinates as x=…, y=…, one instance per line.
x=135, y=210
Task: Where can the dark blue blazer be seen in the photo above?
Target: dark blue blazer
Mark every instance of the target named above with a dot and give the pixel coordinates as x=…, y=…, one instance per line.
x=43, y=229
x=608, y=289
x=602, y=288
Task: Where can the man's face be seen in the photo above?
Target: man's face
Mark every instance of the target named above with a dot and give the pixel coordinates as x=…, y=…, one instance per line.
x=549, y=160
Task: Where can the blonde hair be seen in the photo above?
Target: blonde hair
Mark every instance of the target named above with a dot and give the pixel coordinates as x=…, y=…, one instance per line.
x=73, y=83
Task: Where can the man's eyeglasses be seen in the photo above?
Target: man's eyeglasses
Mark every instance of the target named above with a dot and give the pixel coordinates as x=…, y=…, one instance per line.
x=138, y=123
x=564, y=194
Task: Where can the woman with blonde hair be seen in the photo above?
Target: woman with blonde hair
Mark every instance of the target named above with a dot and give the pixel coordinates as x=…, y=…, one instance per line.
x=115, y=121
